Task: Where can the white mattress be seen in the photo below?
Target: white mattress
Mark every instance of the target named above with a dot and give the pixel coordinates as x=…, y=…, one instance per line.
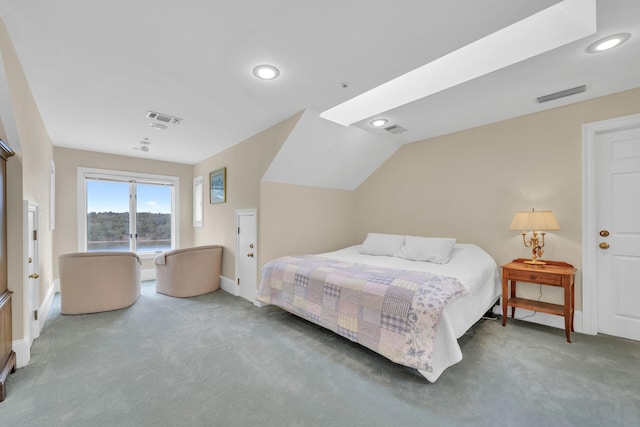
x=475, y=269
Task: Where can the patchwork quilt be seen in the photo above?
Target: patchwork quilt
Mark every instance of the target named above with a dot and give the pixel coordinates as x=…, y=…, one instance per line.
x=392, y=312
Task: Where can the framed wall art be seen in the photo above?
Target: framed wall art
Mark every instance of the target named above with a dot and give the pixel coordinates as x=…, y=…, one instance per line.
x=218, y=186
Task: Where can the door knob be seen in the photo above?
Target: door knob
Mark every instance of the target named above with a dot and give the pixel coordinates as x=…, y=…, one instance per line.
x=604, y=245
x=34, y=276
x=604, y=233
x=250, y=254
x=251, y=245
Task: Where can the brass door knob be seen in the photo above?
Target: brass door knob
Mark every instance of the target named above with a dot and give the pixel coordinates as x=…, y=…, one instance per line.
x=250, y=254
x=604, y=245
x=604, y=233
x=34, y=276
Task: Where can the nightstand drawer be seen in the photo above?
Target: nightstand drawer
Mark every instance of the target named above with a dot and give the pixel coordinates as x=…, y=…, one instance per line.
x=535, y=277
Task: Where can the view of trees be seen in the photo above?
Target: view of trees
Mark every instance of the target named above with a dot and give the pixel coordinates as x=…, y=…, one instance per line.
x=114, y=226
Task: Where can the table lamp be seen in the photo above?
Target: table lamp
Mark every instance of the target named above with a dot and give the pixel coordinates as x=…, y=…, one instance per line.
x=534, y=221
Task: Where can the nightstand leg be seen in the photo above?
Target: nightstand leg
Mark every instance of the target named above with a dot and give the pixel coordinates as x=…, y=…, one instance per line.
x=513, y=295
x=573, y=303
x=568, y=310
x=505, y=298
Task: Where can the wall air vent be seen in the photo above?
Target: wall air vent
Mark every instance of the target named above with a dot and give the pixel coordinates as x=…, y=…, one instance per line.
x=165, y=118
x=561, y=94
x=395, y=129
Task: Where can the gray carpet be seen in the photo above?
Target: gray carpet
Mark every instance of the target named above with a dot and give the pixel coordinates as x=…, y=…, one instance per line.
x=216, y=360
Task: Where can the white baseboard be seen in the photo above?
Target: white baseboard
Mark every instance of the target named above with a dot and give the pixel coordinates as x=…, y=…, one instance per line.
x=229, y=285
x=543, y=318
x=45, y=307
x=22, y=348
x=147, y=274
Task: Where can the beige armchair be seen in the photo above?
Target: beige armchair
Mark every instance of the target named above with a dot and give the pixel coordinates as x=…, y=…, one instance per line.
x=188, y=272
x=92, y=282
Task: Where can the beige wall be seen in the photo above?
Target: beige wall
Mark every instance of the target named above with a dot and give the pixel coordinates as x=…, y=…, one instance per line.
x=246, y=163
x=296, y=220
x=469, y=184
x=28, y=174
x=67, y=162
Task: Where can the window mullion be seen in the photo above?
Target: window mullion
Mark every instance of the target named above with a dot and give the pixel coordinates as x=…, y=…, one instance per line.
x=133, y=236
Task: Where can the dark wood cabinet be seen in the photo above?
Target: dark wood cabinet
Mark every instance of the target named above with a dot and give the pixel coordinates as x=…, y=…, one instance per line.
x=7, y=355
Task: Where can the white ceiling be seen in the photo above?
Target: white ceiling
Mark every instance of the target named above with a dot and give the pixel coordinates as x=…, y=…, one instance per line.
x=96, y=68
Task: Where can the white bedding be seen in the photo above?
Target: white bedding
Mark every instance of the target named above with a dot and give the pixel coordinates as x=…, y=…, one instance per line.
x=475, y=269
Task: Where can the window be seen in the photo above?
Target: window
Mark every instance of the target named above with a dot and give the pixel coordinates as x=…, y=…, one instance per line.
x=126, y=211
x=198, y=205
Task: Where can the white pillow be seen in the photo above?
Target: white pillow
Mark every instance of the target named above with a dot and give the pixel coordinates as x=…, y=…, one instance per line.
x=432, y=249
x=382, y=244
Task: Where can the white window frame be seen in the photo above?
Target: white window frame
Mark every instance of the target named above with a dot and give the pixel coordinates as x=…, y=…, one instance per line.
x=198, y=201
x=114, y=175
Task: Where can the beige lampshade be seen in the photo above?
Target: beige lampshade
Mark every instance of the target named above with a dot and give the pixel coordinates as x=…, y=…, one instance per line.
x=534, y=220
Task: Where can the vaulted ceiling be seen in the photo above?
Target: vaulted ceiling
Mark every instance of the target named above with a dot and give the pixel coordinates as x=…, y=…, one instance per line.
x=96, y=68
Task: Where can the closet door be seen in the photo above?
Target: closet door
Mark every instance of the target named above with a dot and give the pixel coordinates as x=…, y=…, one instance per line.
x=7, y=356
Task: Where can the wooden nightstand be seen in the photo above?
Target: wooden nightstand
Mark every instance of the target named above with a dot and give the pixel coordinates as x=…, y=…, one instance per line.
x=553, y=273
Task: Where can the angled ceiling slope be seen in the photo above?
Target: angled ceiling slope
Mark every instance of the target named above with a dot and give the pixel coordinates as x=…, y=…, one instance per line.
x=556, y=26
x=320, y=153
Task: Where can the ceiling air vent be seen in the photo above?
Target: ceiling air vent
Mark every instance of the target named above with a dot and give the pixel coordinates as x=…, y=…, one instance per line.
x=561, y=94
x=395, y=129
x=165, y=118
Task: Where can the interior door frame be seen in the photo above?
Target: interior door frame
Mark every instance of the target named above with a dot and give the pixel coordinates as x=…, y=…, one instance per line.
x=31, y=328
x=590, y=132
x=239, y=213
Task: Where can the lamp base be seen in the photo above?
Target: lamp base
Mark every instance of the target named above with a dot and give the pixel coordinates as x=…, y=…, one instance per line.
x=535, y=262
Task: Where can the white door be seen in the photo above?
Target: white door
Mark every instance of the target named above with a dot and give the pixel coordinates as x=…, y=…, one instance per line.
x=618, y=227
x=32, y=297
x=247, y=253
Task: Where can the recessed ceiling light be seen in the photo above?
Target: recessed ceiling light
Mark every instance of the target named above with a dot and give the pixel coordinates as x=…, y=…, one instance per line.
x=266, y=72
x=608, y=43
x=379, y=122
x=158, y=126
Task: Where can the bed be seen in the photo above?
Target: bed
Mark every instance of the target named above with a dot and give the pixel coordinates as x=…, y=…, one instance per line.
x=411, y=312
